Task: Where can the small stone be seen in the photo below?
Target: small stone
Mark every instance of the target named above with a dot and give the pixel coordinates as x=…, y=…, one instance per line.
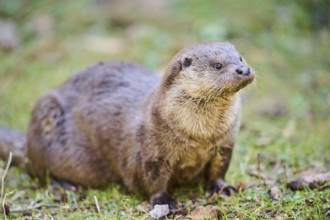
x=159, y=211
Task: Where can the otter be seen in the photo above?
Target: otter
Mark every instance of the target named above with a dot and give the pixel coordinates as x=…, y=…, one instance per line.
x=120, y=122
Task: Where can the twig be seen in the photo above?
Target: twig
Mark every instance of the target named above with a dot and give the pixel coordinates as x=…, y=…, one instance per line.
x=3, y=184
x=285, y=173
x=265, y=179
x=258, y=167
x=97, y=205
x=5, y=173
x=37, y=206
x=257, y=175
x=3, y=203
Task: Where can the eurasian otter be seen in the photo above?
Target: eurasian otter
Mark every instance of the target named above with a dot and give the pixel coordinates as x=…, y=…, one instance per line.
x=118, y=121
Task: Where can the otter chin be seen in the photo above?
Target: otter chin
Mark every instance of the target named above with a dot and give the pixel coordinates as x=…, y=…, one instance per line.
x=245, y=80
x=120, y=122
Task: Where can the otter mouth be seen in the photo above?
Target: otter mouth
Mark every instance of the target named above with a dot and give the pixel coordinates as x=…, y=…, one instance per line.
x=248, y=79
x=245, y=80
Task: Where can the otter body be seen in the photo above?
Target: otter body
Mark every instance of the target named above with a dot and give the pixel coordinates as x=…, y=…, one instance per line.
x=85, y=131
x=120, y=122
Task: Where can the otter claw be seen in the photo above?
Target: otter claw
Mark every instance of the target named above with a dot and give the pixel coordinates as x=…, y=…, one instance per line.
x=220, y=186
x=228, y=190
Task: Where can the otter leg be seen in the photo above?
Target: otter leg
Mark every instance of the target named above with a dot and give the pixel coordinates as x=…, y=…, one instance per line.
x=216, y=172
x=45, y=130
x=156, y=177
x=162, y=198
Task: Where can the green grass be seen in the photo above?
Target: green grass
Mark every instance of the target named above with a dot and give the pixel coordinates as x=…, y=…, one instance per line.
x=285, y=114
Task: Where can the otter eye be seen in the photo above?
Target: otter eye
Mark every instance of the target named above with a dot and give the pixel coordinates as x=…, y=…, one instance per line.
x=217, y=66
x=241, y=59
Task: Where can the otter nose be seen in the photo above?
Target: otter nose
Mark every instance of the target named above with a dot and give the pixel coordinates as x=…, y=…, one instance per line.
x=244, y=70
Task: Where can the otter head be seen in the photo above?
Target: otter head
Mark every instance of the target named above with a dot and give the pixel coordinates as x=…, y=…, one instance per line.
x=209, y=69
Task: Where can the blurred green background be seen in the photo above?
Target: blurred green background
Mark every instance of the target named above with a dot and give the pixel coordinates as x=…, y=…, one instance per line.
x=286, y=116
x=286, y=42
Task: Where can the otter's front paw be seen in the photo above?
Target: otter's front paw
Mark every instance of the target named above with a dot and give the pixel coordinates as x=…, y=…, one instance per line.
x=163, y=198
x=65, y=184
x=215, y=186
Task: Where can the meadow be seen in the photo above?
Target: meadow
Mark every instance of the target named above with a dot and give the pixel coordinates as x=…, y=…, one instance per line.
x=285, y=114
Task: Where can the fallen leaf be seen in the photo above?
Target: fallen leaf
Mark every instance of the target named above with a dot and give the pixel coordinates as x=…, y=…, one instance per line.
x=204, y=212
x=274, y=193
x=310, y=179
x=179, y=213
x=143, y=207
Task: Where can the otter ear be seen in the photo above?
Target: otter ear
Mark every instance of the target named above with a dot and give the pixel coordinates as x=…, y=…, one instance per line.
x=186, y=61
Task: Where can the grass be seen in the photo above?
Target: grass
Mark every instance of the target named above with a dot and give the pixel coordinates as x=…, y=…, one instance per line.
x=285, y=114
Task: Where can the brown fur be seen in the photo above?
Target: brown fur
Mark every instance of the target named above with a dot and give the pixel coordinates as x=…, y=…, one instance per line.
x=118, y=121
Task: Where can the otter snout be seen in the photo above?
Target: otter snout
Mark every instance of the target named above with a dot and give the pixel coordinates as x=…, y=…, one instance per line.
x=243, y=70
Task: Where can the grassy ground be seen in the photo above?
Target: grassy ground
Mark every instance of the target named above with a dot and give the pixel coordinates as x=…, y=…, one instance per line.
x=286, y=116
